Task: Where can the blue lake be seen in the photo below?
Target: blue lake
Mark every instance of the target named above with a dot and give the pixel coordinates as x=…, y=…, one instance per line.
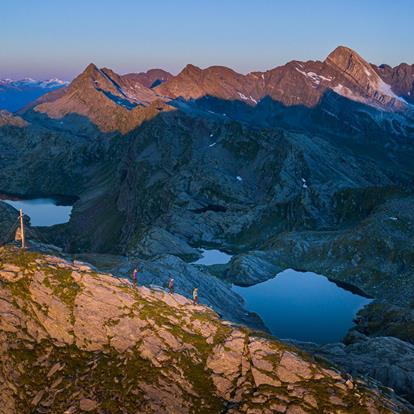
x=303, y=306
x=42, y=211
x=211, y=257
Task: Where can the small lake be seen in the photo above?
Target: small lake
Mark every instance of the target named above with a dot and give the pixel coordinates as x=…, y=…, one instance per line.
x=42, y=211
x=303, y=306
x=212, y=257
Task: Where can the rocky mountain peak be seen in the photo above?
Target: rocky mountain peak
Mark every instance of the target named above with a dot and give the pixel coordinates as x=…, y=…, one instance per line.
x=342, y=54
x=110, y=101
x=190, y=69
x=91, y=76
x=91, y=68
x=361, y=81
x=352, y=64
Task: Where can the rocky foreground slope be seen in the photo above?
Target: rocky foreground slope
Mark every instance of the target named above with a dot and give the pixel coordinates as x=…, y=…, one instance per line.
x=73, y=340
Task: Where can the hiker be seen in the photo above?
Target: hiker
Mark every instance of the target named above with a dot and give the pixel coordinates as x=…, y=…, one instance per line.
x=195, y=296
x=135, y=277
x=171, y=285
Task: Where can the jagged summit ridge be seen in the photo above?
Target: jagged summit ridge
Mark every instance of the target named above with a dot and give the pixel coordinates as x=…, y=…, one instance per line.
x=344, y=72
x=108, y=100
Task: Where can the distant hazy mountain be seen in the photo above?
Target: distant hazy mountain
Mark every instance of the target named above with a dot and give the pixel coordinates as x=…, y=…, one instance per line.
x=15, y=94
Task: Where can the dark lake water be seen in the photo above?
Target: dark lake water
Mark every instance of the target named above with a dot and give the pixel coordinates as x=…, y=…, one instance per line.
x=303, y=306
x=42, y=211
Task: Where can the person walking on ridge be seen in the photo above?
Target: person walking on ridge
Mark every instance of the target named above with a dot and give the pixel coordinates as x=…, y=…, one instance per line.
x=195, y=296
x=135, y=277
x=171, y=285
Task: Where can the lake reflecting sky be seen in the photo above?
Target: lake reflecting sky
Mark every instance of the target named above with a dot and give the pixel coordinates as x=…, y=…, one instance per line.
x=213, y=256
x=303, y=306
x=42, y=211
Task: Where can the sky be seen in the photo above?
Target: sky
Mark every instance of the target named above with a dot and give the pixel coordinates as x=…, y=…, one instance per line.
x=44, y=38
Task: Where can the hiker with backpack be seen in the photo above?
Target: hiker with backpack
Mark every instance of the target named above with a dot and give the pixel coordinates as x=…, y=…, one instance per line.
x=135, y=277
x=195, y=296
x=171, y=285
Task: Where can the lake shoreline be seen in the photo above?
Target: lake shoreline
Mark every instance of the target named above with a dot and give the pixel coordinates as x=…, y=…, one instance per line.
x=60, y=199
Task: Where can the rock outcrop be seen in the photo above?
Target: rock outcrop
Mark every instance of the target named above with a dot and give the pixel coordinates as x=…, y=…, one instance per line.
x=386, y=359
x=8, y=223
x=150, y=79
x=8, y=119
x=73, y=341
x=401, y=79
x=380, y=318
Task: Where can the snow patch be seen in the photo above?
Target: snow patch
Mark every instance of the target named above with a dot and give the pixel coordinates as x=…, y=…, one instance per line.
x=245, y=98
x=314, y=77
x=385, y=89
x=325, y=78
x=29, y=82
x=239, y=178
x=212, y=145
x=367, y=72
x=304, y=185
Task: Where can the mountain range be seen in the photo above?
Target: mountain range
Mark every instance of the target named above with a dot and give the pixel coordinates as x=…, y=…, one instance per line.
x=305, y=166
x=133, y=98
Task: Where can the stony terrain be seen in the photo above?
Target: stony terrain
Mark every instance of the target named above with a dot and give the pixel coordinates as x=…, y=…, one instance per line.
x=381, y=319
x=73, y=340
x=8, y=220
x=385, y=358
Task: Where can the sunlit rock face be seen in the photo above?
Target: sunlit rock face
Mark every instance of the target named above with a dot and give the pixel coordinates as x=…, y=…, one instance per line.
x=75, y=339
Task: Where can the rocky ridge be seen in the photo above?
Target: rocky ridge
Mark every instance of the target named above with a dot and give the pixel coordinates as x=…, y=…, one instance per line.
x=385, y=358
x=109, y=101
x=296, y=83
x=150, y=78
x=70, y=334
x=121, y=103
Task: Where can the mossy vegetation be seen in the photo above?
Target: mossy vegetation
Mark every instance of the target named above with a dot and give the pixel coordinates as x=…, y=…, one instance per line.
x=110, y=378
x=63, y=285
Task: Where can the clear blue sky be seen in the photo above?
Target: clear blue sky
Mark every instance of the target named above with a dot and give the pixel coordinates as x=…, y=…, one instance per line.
x=45, y=38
